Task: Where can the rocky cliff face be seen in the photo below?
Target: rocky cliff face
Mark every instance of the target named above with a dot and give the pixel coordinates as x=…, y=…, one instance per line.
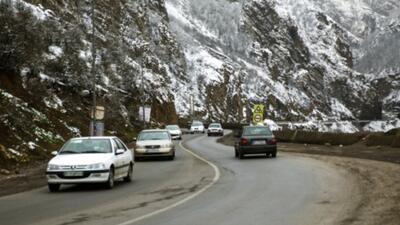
x=45, y=70
x=304, y=59
x=298, y=57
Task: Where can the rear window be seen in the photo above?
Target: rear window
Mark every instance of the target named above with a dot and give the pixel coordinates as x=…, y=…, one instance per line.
x=256, y=131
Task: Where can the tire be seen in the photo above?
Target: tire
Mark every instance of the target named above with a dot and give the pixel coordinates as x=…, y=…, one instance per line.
x=273, y=155
x=241, y=155
x=236, y=153
x=110, y=182
x=54, y=187
x=172, y=157
x=128, y=177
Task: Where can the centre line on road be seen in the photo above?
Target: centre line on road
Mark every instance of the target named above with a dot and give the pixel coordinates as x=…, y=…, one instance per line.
x=159, y=211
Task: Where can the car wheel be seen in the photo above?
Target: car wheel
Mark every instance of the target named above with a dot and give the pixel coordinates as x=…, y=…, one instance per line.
x=128, y=177
x=110, y=181
x=273, y=154
x=241, y=155
x=54, y=187
x=172, y=157
x=236, y=154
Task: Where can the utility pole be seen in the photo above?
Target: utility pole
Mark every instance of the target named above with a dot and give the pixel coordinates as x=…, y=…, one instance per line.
x=143, y=98
x=93, y=121
x=191, y=107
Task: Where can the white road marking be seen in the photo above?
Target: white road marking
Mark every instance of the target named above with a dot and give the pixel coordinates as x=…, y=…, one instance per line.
x=215, y=179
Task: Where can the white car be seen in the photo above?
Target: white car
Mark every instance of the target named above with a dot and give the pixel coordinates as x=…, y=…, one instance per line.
x=197, y=127
x=154, y=143
x=215, y=129
x=90, y=160
x=175, y=131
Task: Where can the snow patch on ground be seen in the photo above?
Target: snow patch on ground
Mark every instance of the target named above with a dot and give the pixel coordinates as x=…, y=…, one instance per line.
x=382, y=126
x=272, y=125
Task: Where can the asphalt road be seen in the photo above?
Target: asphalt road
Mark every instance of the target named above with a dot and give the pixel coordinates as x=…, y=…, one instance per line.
x=258, y=190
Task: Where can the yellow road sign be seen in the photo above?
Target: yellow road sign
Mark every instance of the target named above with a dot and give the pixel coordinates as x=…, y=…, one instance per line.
x=259, y=108
x=258, y=118
x=258, y=113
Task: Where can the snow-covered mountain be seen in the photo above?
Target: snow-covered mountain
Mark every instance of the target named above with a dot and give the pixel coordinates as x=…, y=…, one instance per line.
x=45, y=70
x=298, y=57
x=309, y=59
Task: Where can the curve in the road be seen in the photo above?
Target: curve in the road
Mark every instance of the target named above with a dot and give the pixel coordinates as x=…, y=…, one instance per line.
x=214, y=180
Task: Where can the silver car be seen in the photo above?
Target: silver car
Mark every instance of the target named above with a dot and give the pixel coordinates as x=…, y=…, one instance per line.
x=175, y=131
x=154, y=143
x=215, y=129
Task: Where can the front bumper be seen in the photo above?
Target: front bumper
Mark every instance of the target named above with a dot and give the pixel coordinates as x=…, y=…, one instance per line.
x=58, y=177
x=142, y=153
x=176, y=136
x=196, y=131
x=215, y=132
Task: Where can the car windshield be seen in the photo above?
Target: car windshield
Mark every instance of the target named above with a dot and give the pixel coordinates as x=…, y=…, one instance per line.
x=80, y=146
x=215, y=125
x=172, y=127
x=256, y=131
x=155, y=135
x=197, y=124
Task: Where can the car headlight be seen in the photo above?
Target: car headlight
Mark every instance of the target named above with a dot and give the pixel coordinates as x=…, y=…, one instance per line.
x=166, y=146
x=53, y=167
x=139, y=146
x=97, y=166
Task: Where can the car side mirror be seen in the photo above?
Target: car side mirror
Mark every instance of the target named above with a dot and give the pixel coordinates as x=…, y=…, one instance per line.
x=54, y=153
x=120, y=151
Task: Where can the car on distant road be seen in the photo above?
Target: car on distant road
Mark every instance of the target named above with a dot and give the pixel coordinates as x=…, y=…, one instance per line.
x=215, y=129
x=154, y=143
x=175, y=131
x=90, y=160
x=197, y=127
x=255, y=140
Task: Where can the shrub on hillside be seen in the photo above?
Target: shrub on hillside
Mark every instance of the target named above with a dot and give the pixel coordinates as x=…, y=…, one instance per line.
x=312, y=137
x=380, y=139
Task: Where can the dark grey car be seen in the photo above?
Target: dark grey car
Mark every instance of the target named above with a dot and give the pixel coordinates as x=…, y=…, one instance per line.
x=255, y=140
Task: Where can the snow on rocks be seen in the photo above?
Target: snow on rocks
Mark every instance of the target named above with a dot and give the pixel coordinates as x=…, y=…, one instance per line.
x=272, y=125
x=382, y=126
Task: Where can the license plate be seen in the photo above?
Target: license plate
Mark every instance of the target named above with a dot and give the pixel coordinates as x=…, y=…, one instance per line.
x=152, y=151
x=259, y=142
x=73, y=174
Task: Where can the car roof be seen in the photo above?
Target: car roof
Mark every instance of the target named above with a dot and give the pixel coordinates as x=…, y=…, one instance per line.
x=94, y=137
x=255, y=126
x=154, y=130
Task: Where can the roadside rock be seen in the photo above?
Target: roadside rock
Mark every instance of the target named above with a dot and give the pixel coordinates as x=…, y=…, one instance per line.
x=4, y=172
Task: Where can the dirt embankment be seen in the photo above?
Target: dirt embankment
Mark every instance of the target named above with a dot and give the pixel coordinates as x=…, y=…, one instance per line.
x=378, y=195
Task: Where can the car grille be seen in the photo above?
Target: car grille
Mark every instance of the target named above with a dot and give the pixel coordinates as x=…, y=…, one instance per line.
x=73, y=167
x=152, y=146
